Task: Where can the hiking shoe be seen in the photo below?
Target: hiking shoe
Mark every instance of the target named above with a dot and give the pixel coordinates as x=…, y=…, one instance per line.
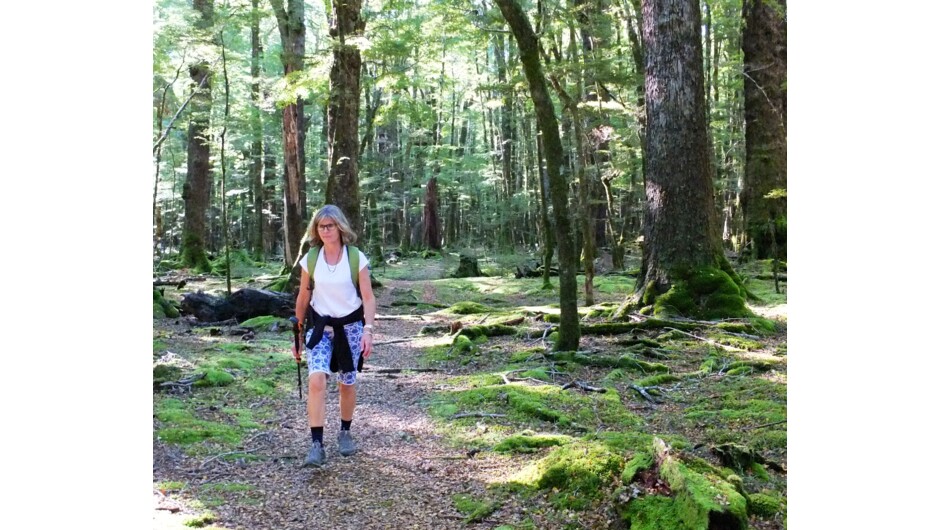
x=347, y=446
x=316, y=457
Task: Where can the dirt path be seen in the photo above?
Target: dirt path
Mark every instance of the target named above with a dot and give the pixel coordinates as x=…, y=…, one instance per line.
x=403, y=476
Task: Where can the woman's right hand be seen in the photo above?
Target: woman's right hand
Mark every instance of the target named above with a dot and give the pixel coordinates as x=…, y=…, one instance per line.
x=296, y=353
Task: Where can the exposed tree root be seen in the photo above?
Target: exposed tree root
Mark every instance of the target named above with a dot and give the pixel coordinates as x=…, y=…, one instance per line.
x=583, y=386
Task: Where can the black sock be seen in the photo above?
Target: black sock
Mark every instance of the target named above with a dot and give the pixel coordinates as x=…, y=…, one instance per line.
x=344, y=425
x=317, y=434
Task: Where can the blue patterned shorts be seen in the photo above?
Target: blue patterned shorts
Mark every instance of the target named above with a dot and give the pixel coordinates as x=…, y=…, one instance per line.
x=318, y=357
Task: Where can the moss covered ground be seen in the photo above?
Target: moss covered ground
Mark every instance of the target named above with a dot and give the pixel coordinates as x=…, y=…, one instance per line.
x=695, y=385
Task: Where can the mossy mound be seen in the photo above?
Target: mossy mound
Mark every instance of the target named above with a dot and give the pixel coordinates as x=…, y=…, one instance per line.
x=163, y=308
x=530, y=443
x=540, y=403
x=493, y=330
x=474, y=510
x=652, y=512
x=163, y=373
x=765, y=505
x=264, y=323
x=577, y=473
x=525, y=355
x=180, y=427
x=537, y=373
x=702, y=498
x=706, y=293
x=628, y=362
x=658, y=379
x=640, y=461
x=462, y=344
x=240, y=262
x=215, y=378
x=468, y=308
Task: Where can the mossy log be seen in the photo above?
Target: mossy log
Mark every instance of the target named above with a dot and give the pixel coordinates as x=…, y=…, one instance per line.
x=491, y=330
x=242, y=305
x=616, y=328
x=627, y=362
x=534, y=269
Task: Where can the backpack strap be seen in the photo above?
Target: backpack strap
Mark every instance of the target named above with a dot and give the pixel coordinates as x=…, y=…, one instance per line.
x=312, y=256
x=352, y=254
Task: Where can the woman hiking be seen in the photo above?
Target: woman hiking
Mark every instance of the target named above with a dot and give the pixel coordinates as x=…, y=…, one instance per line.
x=339, y=323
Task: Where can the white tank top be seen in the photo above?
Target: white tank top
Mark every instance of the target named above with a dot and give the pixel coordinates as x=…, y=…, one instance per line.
x=334, y=294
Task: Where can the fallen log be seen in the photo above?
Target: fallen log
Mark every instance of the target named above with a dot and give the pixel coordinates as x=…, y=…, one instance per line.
x=242, y=305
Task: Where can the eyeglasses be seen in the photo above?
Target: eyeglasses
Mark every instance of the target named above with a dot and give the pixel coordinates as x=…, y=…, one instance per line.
x=326, y=228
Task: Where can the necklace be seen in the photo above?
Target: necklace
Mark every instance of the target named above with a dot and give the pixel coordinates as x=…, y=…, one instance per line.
x=332, y=268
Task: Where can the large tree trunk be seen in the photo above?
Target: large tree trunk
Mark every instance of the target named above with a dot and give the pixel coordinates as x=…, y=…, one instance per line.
x=684, y=270
x=569, y=330
x=432, y=224
x=290, y=23
x=342, y=188
x=256, y=155
x=765, y=115
x=198, y=187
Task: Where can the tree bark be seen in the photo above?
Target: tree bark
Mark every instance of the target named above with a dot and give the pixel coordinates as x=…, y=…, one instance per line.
x=432, y=225
x=342, y=188
x=765, y=115
x=198, y=187
x=290, y=23
x=256, y=155
x=681, y=247
x=568, y=331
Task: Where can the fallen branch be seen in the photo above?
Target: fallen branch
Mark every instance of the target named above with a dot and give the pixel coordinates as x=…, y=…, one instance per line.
x=227, y=454
x=643, y=393
x=400, y=370
x=396, y=341
x=229, y=322
x=476, y=415
x=709, y=341
x=583, y=386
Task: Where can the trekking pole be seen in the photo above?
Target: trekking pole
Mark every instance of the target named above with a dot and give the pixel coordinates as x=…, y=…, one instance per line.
x=295, y=326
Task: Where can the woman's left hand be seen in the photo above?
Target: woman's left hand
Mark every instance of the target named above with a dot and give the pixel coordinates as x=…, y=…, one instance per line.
x=366, y=344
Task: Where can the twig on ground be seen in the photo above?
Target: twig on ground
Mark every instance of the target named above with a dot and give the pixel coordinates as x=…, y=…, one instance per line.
x=247, y=451
x=643, y=393
x=400, y=370
x=583, y=386
x=391, y=342
x=476, y=415
x=710, y=341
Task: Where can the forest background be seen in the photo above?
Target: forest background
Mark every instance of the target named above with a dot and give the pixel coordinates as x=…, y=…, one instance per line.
x=840, y=159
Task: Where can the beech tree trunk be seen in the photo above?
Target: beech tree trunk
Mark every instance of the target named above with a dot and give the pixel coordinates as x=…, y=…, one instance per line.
x=342, y=188
x=256, y=155
x=684, y=270
x=290, y=23
x=432, y=224
x=765, y=116
x=198, y=186
x=569, y=329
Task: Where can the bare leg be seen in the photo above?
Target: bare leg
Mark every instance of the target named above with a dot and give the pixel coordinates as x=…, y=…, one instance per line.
x=316, y=399
x=347, y=401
